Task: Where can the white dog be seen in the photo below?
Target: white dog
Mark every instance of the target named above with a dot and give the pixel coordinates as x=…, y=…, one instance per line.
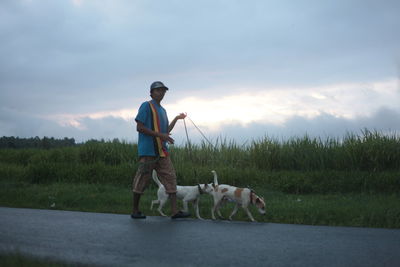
x=241, y=196
x=186, y=193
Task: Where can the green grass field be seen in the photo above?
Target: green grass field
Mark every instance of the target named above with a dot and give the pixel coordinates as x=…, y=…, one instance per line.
x=22, y=260
x=350, y=209
x=352, y=181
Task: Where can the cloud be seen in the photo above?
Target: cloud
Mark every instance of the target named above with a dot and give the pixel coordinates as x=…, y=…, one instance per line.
x=324, y=125
x=327, y=111
x=277, y=105
x=68, y=67
x=26, y=125
x=77, y=2
x=386, y=121
x=65, y=55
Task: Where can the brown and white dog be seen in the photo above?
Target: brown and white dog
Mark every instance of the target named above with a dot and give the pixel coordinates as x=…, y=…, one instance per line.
x=185, y=193
x=241, y=196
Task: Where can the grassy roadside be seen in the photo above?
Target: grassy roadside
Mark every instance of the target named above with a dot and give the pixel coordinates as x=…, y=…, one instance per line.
x=350, y=209
x=19, y=259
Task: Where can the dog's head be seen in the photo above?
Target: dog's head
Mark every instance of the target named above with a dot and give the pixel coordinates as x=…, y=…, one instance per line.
x=206, y=188
x=258, y=202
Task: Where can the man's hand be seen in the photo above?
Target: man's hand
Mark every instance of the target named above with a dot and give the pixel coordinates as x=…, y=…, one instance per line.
x=166, y=137
x=181, y=116
x=163, y=136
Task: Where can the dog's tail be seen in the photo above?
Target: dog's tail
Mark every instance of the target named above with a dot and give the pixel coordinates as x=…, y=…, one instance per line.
x=155, y=178
x=215, y=177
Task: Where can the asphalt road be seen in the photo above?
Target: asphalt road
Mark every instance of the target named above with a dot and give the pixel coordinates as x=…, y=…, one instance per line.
x=117, y=240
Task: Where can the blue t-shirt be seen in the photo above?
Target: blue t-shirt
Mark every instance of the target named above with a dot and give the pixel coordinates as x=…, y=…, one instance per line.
x=147, y=145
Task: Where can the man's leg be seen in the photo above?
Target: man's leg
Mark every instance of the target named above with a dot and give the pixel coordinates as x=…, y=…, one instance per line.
x=136, y=201
x=136, y=214
x=172, y=198
x=174, y=210
x=167, y=177
x=139, y=183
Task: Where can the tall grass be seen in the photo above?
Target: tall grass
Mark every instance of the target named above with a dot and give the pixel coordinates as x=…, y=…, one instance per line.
x=370, y=151
x=368, y=162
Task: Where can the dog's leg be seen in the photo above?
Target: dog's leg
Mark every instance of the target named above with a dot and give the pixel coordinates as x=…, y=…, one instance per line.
x=249, y=214
x=221, y=203
x=154, y=202
x=235, y=209
x=217, y=202
x=185, y=205
x=212, y=213
x=162, y=202
x=219, y=212
x=196, y=207
x=214, y=208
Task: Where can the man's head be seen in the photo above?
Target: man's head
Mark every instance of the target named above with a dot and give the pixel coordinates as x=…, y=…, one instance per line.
x=157, y=90
x=156, y=85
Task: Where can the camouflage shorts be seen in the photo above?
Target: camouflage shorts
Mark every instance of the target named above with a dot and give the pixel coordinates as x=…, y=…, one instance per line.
x=165, y=171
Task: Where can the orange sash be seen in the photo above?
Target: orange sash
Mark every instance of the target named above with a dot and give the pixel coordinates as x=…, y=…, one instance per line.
x=160, y=149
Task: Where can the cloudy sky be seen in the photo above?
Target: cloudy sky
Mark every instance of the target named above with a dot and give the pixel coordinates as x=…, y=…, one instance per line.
x=240, y=69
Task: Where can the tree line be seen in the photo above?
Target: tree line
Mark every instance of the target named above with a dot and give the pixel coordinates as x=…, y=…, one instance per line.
x=35, y=142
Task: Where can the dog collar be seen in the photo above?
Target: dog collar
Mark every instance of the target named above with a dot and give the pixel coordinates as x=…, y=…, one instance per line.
x=251, y=197
x=199, y=187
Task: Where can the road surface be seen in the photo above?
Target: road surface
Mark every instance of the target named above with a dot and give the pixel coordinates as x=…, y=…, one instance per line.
x=117, y=240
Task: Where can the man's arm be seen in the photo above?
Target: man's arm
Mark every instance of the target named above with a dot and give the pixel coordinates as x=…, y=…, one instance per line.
x=173, y=122
x=144, y=130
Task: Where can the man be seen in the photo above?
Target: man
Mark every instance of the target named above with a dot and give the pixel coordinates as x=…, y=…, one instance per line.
x=154, y=134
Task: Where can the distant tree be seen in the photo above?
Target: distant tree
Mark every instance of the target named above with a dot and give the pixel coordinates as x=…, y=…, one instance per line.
x=35, y=142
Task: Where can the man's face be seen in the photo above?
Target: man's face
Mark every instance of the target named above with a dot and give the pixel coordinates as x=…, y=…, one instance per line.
x=158, y=93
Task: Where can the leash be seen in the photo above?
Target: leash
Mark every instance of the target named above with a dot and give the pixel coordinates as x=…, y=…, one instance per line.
x=187, y=135
x=198, y=130
x=190, y=153
x=190, y=144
